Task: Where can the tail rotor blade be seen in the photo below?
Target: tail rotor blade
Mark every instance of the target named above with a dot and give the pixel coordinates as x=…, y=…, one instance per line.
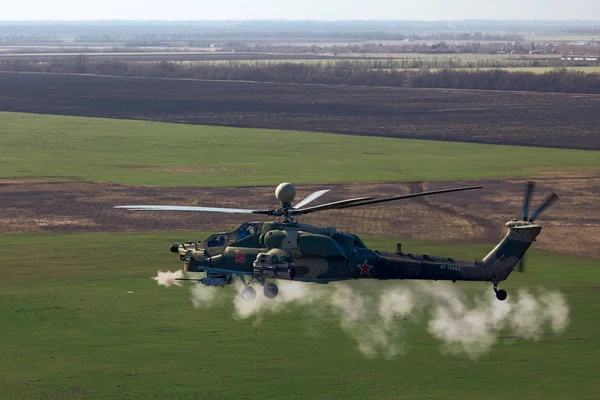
x=549, y=200
x=528, y=193
x=521, y=266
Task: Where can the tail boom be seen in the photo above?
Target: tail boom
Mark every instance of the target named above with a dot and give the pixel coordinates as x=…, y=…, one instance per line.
x=495, y=267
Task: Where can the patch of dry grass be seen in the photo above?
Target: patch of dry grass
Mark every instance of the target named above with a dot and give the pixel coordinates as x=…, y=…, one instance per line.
x=571, y=226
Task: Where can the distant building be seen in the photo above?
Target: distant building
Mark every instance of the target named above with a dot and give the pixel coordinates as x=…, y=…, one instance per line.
x=577, y=57
x=583, y=42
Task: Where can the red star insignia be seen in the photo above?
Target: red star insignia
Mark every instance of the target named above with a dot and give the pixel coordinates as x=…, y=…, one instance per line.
x=365, y=268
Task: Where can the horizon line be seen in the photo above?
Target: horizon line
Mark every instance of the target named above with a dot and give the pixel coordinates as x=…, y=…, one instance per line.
x=597, y=20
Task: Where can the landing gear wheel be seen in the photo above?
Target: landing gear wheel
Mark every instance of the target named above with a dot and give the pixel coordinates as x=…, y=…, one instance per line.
x=271, y=290
x=249, y=293
x=501, y=294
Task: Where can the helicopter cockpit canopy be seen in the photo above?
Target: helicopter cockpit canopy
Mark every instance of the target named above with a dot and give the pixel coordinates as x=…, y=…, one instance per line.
x=246, y=230
x=217, y=240
x=227, y=238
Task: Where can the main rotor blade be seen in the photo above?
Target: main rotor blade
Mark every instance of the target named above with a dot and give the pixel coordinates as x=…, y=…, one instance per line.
x=528, y=193
x=367, y=201
x=329, y=206
x=549, y=200
x=311, y=197
x=191, y=208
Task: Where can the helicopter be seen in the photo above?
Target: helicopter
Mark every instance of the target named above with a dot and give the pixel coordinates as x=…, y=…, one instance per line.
x=289, y=250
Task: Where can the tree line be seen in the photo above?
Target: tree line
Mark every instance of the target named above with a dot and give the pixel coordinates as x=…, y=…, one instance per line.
x=420, y=47
x=337, y=73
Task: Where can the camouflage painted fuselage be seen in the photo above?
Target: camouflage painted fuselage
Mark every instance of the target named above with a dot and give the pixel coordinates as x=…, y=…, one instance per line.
x=312, y=254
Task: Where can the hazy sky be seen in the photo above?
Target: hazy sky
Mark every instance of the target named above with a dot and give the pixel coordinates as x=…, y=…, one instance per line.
x=300, y=9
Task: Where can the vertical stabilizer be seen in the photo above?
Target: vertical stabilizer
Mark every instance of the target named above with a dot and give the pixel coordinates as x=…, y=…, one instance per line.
x=505, y=256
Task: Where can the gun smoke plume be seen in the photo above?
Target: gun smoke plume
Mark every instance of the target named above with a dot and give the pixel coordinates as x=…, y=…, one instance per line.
x=376, y=315
x=168, y=278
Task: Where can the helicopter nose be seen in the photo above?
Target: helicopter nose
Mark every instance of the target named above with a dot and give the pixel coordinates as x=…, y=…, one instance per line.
x=175, y=248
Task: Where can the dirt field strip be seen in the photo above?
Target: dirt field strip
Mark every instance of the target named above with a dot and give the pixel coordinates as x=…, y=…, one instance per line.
x=475, y=216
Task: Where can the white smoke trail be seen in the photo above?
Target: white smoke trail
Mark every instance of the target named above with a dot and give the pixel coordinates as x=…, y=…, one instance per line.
x=395, y=302
x=464, y=328
x=376, y=316
x=473, y=327
x=556, y=310
x=168, y=278
x=289, y=293
x=205, y=296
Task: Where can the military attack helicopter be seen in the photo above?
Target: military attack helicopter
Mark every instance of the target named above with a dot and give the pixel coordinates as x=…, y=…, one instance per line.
x=289, y=250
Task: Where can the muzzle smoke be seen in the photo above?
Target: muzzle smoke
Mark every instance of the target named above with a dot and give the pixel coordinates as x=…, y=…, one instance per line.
x=376, y=314
x=169, y=278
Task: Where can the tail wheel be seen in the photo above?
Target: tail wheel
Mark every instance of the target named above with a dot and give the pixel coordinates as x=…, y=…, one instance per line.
x=501, y=294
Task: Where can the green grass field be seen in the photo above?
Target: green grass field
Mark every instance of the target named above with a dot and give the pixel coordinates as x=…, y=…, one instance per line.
x=562, y=38
x=510, y=64
x=539, y=70
x=151, y=153
x=535, y=70
x=72, y=330
x=411, y=56
x=81, y=318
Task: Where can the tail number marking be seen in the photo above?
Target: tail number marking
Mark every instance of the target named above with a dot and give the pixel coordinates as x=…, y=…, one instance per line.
x=450, y=267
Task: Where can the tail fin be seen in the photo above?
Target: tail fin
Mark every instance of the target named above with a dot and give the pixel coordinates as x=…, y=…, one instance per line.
x=505, y=256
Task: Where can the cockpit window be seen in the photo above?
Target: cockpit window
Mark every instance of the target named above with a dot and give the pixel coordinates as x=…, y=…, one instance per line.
x=246, y=230
x=216, y=241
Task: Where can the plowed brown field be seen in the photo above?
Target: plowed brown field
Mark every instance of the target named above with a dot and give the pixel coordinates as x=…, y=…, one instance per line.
x=495, y=117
